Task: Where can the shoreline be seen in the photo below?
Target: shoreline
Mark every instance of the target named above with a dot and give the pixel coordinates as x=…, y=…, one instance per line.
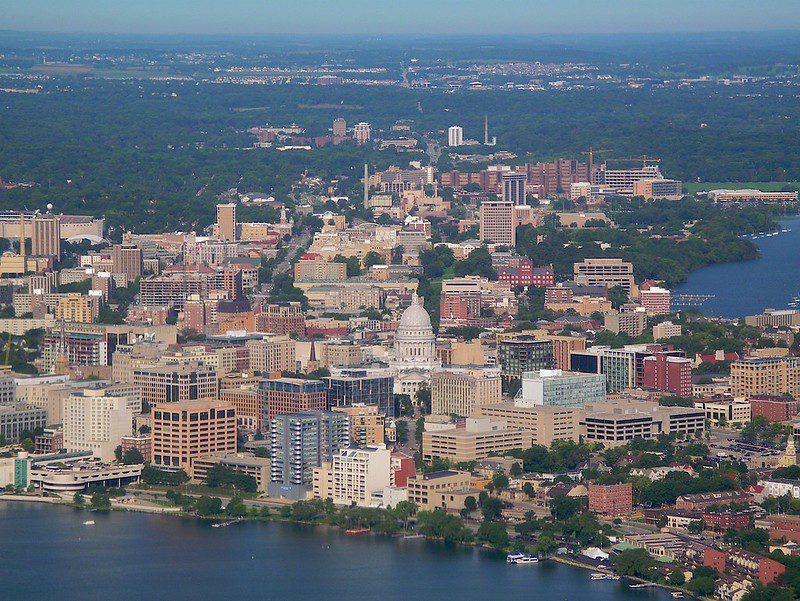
x=178, y=512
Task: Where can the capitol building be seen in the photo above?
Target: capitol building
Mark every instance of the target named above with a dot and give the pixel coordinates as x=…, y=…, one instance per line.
x=414, y=354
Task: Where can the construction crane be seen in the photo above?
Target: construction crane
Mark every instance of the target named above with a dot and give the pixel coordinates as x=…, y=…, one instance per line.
x=590, y=152
x=644, y=159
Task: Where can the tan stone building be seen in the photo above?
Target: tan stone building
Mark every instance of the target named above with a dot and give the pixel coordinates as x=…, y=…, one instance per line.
x=459, y=390
x=546, y=423
x=367, y=425
x=776, y=376
x=477, y=439
x=272, y=353
x=441, y=490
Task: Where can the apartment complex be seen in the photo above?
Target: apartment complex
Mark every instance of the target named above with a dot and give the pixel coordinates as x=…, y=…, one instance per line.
x=96, y=420
x=183, y=430
x=283, y=396
x=271, y=353
x=668, y=373
x=226, y=222
x=367, y=425
x=611, y=500
x=127, y=258
x=458, y=391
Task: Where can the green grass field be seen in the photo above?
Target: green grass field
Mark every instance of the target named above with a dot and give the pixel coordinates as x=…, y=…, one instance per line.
x=692, y=187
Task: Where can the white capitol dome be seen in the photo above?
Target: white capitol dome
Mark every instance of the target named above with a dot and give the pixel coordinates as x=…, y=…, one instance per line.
x=414, y=340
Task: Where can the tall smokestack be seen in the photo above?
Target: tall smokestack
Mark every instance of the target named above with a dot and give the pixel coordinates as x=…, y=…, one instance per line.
x=366, y=184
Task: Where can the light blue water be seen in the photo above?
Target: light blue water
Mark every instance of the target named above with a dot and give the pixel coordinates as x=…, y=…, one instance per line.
x=47, y=553
x=749, y=287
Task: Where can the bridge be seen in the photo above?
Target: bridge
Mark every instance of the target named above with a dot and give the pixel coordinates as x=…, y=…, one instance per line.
x=689, y=300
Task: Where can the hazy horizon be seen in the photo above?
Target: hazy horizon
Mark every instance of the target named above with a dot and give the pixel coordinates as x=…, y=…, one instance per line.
x=382, y=17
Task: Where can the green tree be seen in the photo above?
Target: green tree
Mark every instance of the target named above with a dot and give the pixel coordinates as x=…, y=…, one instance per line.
x=77, y=498
x=491, y=508
x=207, y=506
x=470, y=504
x=101, y=501
x=132, y=456
x=500, y=481
x=236, y=507
x=373, y=258
x=493, y=533
x=545, y=545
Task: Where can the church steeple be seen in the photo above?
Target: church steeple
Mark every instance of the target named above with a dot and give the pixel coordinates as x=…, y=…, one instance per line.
x=790, y=454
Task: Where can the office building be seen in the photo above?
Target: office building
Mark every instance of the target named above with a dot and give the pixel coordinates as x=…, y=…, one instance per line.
x=614, y=424
x=300, y=442
x=455, y=136
x=513, y=190
x=46, y=236
x=773, y=376
x=668, y=373
x=161, y=383
x=226, y=222
x=441, y=490
x=183, y=430
x=546, y=423
x=127, y=259
x=477, y=439
x=18, y=417
x=281, y=318
x=725, y=411
x=498, y=222
x=271, y=354
x=247, y=464
x=749, y=194
x=611, y=500
x=563, y=346
x=560, y=388
x=605, y=272
x=622, y=181
x=312, y=267
x=668, y=189
x=356, y=386
x=249, y=404
x=367, y=424
x=284, y=396
x=339, y=128
x=96, y=421
x=362, y=132
x=523, y=354
x=458, y=390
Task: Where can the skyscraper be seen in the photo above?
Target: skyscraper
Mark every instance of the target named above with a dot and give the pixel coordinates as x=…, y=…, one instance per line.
x=514, y=187
x=455, y=136
x=226, y=222
x=498, y=222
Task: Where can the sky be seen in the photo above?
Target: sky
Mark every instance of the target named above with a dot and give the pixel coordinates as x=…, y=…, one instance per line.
x=489, y=17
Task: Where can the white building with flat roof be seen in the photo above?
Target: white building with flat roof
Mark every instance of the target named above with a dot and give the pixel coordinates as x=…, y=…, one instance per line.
x=560, y=388
x=96, y=421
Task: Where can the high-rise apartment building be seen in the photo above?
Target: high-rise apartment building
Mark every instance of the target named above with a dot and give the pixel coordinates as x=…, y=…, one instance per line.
x=459, y=390
x=362, y=132
x=772, y=376
x=514, y=187
x=46, y=236
x=498, y=222
x=604, y=272
x=78, y=308
x=226, y=221
x=284, y=396
x=184, y=430
x=299, y=442
x=455, y=136
x=96, y=420
x=127, y=259
x=656, y=300
x=174, y=383
x=360, y=475
x=522, y=354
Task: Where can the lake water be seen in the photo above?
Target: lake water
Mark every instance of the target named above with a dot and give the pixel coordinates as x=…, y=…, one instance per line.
x=749, y=287
x=47, y=553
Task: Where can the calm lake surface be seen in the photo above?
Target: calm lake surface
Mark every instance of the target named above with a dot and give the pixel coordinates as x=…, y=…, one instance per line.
x=47, y=553
x=749, y=287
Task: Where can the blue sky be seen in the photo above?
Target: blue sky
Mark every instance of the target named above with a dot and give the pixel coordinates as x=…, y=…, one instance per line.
x=397, y=16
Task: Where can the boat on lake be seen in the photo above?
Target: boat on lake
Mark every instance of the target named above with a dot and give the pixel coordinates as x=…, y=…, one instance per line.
x=357, y=531
x=514, y=557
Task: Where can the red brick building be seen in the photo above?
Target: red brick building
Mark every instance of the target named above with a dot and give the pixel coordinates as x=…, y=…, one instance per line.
x=459, y=306
x=738, y=560
x=291, y=395
x=558, y=294
x=281, y=318
x=706, y=499
x=523, y=273
x=611, y=499
x=784, y=526
x=664, y=372
x=143, y=444
x=775, y=409
x=728, y=520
